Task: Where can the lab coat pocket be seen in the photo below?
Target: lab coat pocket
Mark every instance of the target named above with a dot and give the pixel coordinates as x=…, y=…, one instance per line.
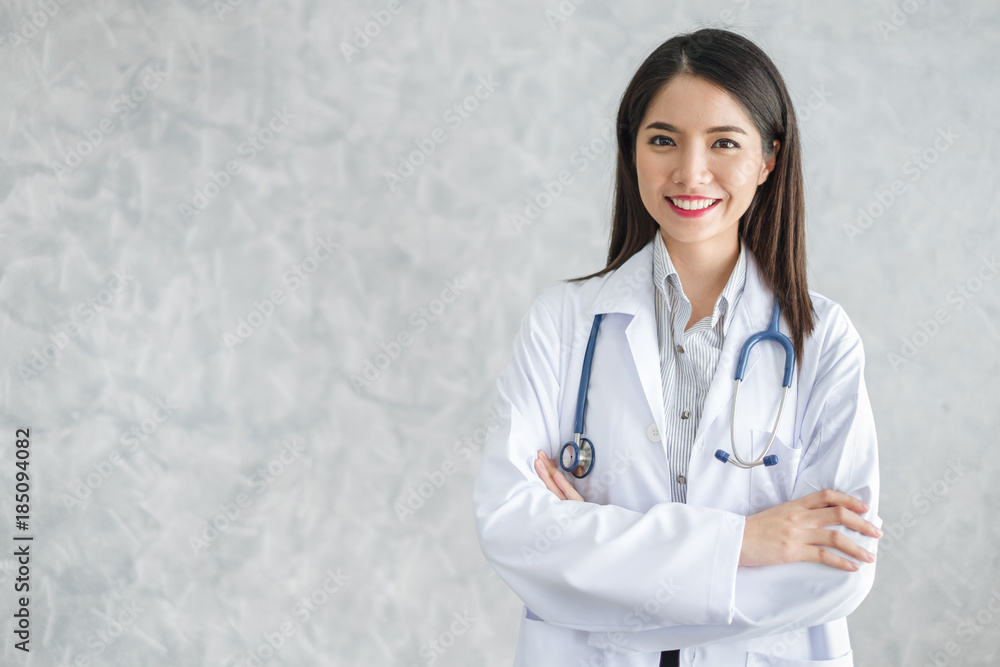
x=765, y=660
x=541, y=643
x=772, y=485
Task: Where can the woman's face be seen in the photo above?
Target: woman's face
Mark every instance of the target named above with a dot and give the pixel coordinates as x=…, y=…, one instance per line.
x=697, y=147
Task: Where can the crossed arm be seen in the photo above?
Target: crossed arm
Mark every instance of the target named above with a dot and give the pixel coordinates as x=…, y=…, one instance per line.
x=792, y=532
x=555, y=554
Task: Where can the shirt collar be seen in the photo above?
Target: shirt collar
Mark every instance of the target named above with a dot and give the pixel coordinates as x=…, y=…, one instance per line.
x=667, y=281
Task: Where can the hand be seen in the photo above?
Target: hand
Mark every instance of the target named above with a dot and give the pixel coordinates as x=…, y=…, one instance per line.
x=796, y=532
x=554, y=479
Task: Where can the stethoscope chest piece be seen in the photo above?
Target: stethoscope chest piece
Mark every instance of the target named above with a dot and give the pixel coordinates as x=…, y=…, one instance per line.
x=577, y=458
x=771, y=333
x=577, y=455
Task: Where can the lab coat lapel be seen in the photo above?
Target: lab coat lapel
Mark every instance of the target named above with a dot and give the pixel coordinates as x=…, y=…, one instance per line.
x=750, y=317
x=629, y=290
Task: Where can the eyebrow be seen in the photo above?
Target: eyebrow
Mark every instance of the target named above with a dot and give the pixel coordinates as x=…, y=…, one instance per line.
x=667, y=127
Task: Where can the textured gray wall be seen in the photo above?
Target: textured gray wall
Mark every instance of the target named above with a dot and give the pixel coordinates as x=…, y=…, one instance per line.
x=180, y=368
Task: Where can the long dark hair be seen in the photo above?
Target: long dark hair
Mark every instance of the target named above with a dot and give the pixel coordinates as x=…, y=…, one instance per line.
x=773, y=227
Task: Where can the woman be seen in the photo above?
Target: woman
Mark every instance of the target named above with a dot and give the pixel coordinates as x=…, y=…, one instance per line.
x=661, y=553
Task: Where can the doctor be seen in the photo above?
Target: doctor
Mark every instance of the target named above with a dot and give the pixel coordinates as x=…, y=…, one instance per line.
x=663, y=554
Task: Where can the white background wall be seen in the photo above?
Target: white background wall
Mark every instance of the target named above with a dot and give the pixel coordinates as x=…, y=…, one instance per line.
x=114, y=516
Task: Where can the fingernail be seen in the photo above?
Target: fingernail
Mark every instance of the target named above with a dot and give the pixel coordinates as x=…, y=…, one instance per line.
x=878, y=532
x=865, y=506
x=870, y=557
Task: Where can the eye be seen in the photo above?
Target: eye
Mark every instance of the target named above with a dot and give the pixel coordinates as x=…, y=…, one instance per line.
x=654, y=141
x=728, y=141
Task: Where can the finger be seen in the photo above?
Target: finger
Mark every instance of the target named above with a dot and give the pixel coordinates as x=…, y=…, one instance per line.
x=566, y=491
x=827, y=557
x=834, y=516
x=550, y=468
x=566, y=487
x=543, y=472
x=546, y=478
x=831, y=498
x=839, y=541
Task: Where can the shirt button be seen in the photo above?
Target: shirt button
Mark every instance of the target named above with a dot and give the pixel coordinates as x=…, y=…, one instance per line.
x=685, y=414
x=680, y=349
x=681, y=479
x=653, y=433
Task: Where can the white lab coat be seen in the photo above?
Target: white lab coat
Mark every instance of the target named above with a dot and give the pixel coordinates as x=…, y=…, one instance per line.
x=628, y=573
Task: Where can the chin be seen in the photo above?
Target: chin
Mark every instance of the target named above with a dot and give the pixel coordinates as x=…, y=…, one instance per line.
x=692, y=235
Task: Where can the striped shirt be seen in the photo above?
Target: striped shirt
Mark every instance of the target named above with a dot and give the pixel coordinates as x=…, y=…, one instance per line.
x=687, y=358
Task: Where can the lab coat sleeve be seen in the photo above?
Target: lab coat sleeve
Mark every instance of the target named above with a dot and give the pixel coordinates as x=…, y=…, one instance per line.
x=579, y=564
x=839, y=432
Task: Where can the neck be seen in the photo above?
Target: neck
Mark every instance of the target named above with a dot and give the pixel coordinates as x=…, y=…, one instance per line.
x=704, y=268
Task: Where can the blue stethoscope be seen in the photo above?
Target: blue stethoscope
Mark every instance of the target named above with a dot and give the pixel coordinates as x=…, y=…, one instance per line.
x=577, y=455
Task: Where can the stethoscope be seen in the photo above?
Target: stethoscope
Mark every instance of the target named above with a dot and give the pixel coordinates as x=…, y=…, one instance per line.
x=770, y=333
x=577, y=456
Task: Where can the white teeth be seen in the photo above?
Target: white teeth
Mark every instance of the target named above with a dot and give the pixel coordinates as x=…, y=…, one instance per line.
x=695, y=205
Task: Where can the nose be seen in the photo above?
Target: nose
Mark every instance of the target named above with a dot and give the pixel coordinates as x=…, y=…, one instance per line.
x=692, y=167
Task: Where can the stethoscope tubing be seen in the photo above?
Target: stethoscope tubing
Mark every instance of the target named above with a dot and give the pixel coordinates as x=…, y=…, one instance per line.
x=771, y=333
x=763, y=459
x=588, y=360
x=577, y=456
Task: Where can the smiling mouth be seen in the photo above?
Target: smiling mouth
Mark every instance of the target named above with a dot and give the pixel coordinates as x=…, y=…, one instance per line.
x=693, y=204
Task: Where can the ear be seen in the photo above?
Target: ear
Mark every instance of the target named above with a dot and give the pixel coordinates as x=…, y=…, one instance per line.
x=769, y=165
